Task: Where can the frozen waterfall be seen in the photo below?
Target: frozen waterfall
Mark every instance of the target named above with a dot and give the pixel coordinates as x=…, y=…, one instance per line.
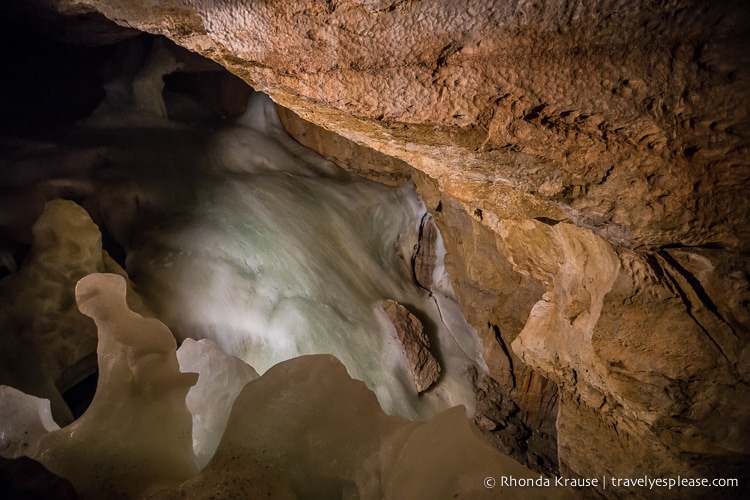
x=249, y=239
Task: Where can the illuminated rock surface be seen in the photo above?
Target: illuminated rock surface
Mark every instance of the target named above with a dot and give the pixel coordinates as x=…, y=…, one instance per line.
x=424, y=367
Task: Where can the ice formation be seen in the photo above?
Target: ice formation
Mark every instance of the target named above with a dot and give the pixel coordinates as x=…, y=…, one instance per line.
x=220, y=380
x=305, y=429
x=137, y=432
x=46, y=345
x=273, y=252
x=24, y=420
x=241, y=235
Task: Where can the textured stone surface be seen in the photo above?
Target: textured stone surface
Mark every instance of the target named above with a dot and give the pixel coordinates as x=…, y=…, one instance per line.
x=47, y=345
x=521, y=403
x=608, y=323
x=424, y=367
x=624, y=116
x=425, y=255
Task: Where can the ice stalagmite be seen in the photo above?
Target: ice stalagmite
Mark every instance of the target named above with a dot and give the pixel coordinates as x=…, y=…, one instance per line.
x=220, y=378
x=137, y=432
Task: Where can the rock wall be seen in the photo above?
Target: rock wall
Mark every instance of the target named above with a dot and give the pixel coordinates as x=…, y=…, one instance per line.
x=587, y=163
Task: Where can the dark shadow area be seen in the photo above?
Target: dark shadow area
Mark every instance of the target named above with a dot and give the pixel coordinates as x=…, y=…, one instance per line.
x=79, y=396
x=47, y=83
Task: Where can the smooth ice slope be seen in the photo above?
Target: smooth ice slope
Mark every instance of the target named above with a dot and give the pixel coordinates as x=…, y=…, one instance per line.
x=273, y=252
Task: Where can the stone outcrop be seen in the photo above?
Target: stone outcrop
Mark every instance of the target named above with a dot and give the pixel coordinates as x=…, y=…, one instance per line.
x=425, y=255
x=613, y=121
x=47, y=348
x=424, y=367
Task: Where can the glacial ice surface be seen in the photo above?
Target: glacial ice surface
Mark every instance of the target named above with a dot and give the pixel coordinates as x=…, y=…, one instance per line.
x=261, y=245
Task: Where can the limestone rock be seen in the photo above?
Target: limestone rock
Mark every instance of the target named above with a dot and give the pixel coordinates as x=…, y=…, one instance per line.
x=47, y=345
x=424, y=367
x=500, y=276
x=347, y=154
x=425, y=256
x=598, y=128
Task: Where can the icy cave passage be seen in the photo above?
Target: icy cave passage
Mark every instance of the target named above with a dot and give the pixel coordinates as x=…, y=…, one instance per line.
x=374, y=249
x=176, y=186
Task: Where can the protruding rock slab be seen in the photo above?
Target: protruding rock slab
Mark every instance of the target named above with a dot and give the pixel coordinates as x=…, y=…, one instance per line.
x=424, y=367
x=425, y=256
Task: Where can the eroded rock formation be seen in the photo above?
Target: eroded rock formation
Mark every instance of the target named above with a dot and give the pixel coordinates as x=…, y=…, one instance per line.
x=424, y=367
x=48, y=346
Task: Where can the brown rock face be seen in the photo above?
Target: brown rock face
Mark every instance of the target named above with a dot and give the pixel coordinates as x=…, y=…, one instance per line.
x=611, y=121
x=425, y=256
x=424, y=367
x=587, y=165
